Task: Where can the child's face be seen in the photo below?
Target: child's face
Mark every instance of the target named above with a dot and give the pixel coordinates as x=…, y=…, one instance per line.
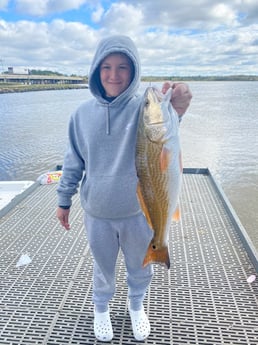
x=116, y=73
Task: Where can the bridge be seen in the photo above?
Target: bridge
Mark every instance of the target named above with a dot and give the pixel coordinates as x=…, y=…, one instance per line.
x=40, y=79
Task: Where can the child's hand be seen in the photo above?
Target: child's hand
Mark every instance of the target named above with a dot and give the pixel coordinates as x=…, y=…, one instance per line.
x=63, y=216
x=181, y=96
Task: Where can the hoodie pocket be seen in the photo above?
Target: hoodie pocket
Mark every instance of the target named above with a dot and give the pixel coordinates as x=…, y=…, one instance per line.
x=110, y=196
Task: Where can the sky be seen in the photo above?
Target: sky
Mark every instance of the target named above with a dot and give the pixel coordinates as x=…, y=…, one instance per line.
x=174, y=37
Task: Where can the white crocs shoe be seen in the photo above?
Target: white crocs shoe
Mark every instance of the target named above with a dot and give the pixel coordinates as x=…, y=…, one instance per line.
x=140, y=324
x=102, y=326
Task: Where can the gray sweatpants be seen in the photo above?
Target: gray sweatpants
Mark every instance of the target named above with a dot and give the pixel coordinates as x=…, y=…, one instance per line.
x=106, y=237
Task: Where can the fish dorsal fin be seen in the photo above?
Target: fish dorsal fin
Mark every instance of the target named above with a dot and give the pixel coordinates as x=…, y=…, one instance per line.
x=143, y=206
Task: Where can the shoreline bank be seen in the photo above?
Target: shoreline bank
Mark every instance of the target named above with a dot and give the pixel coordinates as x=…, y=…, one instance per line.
x=39, y=87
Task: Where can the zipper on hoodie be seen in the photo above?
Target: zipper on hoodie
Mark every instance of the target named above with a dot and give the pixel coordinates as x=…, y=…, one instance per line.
x=108, y=121
x=109, y=100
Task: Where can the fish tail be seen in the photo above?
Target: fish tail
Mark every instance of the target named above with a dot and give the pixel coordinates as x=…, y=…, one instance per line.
x=160, y=256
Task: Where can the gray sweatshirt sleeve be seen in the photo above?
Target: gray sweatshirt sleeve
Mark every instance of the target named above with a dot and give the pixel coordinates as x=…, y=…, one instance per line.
x=73, y=169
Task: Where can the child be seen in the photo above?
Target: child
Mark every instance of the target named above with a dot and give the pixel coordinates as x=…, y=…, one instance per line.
x=102, y=138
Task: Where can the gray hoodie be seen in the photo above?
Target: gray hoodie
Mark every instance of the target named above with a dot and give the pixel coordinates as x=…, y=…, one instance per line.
x=102, y=138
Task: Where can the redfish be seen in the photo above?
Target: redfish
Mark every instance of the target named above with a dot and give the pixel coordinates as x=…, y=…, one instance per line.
x=159, y=170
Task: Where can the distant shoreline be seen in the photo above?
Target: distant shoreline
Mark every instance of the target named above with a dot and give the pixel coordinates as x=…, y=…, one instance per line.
x=9, y=88
x=17, y=87
x=203, y=78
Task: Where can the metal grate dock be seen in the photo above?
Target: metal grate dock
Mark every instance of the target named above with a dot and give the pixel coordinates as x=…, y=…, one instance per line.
x=203, y=299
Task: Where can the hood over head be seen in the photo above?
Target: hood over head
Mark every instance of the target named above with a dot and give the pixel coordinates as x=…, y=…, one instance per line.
x=107, y=46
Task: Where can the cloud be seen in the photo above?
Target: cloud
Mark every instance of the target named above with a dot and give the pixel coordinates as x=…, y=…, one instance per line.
x=208, y=37
x=197, y=15
x=45, y=7
x=122, y=18
x=97, y=14
x=249, y=10
x=57, y=44
x=182, y=14
x=3, y=4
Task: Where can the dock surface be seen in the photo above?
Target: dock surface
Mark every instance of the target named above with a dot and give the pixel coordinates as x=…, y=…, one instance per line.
x=204, y=298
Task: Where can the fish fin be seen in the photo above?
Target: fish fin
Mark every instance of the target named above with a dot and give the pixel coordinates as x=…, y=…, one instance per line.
x=159, y=256
x=143, y=205
x=165, y=156
x=176, y=215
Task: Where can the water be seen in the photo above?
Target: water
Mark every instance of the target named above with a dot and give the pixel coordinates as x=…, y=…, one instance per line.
x=219, y=132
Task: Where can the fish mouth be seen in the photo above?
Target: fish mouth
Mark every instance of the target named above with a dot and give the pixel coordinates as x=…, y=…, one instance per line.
x=155, y=120
x=155, y=93
x=158, y=123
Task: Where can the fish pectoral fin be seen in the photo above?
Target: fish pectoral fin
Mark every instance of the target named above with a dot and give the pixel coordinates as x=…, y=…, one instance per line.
x=143, y=206
x=176, y=215
x=165, y=157
x=154, y=255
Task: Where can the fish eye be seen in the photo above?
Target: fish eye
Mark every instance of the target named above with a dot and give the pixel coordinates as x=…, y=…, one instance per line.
x=147, y=102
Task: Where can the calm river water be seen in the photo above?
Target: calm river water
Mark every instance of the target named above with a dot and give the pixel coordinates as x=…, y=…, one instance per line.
x=220, y=131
